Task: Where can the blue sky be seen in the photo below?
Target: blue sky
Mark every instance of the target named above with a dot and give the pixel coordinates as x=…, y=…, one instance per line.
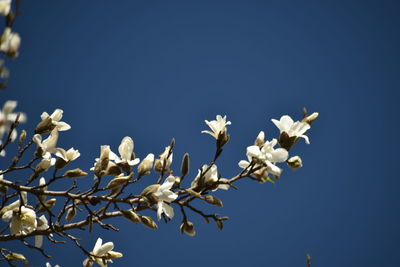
x=154, y=70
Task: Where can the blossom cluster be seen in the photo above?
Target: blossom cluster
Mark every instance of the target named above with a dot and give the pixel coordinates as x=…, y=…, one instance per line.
x=114, y=172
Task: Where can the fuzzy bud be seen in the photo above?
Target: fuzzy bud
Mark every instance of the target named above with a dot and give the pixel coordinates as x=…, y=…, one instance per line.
x=213, y=200
x=146, y=165
x=75, y=173
x=187, y=227
x=185, y=165
x=132, y=216
x=71, y=213
x=148, y=222
x=295, y=162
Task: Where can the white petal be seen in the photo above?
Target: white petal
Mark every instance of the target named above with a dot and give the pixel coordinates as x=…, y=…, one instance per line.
x=168, y=210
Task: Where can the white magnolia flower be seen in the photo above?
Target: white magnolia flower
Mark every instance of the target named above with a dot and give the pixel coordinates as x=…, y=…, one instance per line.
x=146, y=164
x=265, y=156
x=7, y=117
x=49, y=144
x=5, y=7
x=42, y=224
x=165, y=196
x=104, y=251
x=55, y=117
x=297, y=129
x=105, y=155
x=22, y=222
x=46, y=162
x=10, y=42
x=211, y=176
x=69, y=155
x=217, y=126
x=125, y=150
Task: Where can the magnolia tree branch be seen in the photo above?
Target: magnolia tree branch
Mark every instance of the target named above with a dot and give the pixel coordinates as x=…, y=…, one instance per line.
x=109, y=198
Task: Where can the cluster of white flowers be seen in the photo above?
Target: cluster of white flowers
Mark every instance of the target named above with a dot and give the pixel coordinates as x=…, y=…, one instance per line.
x=101, y=254
x=263, y=157
x=9, y=41
x=48, y=147
x=7, y=117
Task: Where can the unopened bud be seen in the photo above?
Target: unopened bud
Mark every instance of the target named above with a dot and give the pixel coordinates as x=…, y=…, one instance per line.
x=146, y=165
x=71, y=213
x=148, y=222
x=310, y=118
x=187, y=227
x=132, y=216
x=148, y=193
x=22, y=136
x=213, y=200
x=295, y=162
x=260, y=140
x=15, y=257
x=49, y=204
x=185, y=165
x=45, y=126
x=118, y=181
x=75, y=173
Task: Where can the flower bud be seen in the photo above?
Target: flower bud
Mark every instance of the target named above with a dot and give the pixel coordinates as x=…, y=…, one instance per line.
x=213, y=200
x=148, y=193
x=185, y=165
x=71, y=213
x=260, y=139
x=75, y=173
x=146, y=165
x=311, y=118
x=49, y=204
x=148, y=222
x=15, y=257
x=118, y=181
x=22, y=136
x=187, y=227
x=295, y=162
x=132, y=216
x=45, y=126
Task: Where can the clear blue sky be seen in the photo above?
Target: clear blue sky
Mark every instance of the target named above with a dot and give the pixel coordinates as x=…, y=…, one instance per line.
x=154, y=70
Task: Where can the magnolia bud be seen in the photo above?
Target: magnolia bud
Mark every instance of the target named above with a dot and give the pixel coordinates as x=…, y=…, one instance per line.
x=185, y=165
x=132, y=216
x=295, y=162
x=45, y=126
x=146, y=165
x=260, y=139
x=213, y=200
x=75, y=173
x=118, y=181
x=22, y=136
x=220, y=224
x=49, y=204
x=148, y=193
x=188, y=228
x=15, y=257
x=310, y=118
x=71, y=213
x=148, y=222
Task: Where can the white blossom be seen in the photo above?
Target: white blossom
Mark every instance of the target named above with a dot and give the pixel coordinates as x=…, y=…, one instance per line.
x=5, y=7
x=265, y=156
x=46, y=162
x=49, y=265
x=125, y=150
x=55, y=117
x=104, y=251
x=165, y=196
x=217, y=126
x=297, y=129
x=210, y=176
x=49, y=144
x=7, y=117
x=69, y=155
x=10, y=42
x=23, y=221
x=42, y=224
